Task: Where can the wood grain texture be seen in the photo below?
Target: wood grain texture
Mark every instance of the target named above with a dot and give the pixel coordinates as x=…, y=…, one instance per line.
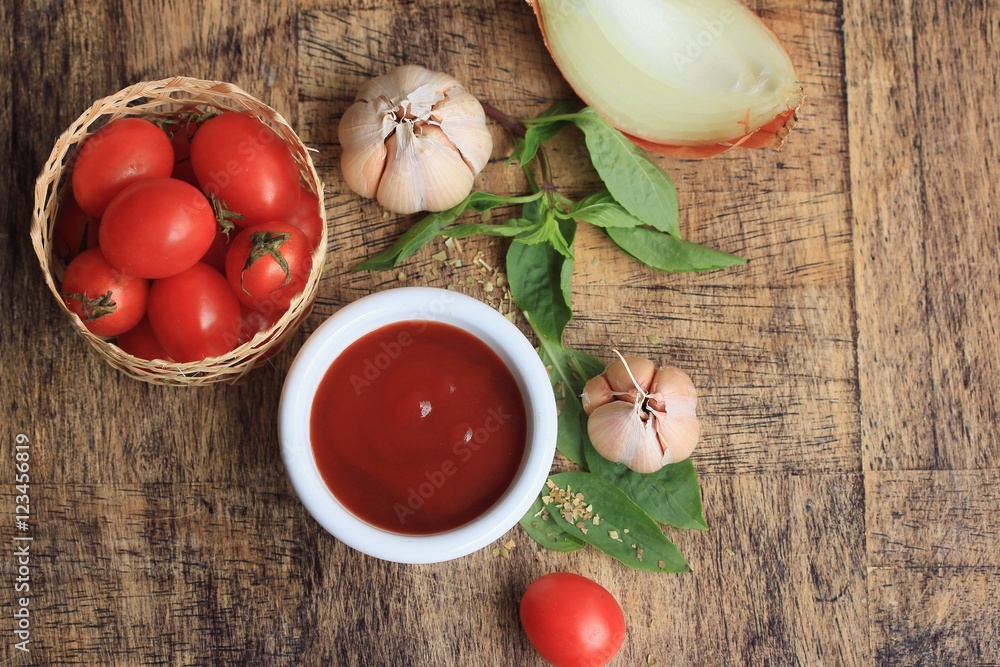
x=847, y=373
x=927, y=287
x=934, y=519
x=929, y=616
x=927, y=230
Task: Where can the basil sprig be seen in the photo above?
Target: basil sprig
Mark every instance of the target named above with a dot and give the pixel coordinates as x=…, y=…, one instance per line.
x=637, y=209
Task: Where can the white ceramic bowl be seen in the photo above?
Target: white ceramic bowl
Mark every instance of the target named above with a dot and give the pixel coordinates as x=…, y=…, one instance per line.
x=371, y=313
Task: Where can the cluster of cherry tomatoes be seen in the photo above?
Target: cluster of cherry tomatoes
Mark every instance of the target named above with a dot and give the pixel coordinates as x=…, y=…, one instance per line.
x=185, y=239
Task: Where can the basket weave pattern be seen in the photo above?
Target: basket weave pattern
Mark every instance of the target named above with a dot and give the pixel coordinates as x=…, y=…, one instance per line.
x=156, y=100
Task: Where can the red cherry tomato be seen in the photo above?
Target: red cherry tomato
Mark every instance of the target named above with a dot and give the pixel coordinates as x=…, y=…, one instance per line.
x=254, y=322
x=182, y=127
x=215, y=256
x=75, y=231
x=157, y=228
x=246, y=165
x=306, y=217
x=268, y=264
x=194, y=314
x=122, y=152
x=572, y=621
x=140, y=341
x=108, y=301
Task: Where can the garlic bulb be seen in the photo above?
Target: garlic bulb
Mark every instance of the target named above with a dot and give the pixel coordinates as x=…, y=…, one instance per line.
x=685, y=77
x=641, y=415
x=415, y=139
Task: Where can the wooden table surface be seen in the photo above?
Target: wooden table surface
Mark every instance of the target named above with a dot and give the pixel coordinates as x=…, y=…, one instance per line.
x=848, y=375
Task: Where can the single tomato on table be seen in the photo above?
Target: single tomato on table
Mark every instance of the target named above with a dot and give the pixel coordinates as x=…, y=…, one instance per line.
x=247, y=166
x=572, y=621
x=108, y=301
x=194, y=314
x=268, y=264
x=157, y=227
x=124, y=151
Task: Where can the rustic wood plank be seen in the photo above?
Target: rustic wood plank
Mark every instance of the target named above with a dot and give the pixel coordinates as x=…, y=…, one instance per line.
x=934, y=519
x=154, y=574
x=953, y=61
x=919, y=234
x=929, y=616
x=926, y=365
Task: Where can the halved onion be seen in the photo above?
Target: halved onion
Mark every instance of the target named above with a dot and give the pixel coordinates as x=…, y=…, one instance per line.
x=684, y=77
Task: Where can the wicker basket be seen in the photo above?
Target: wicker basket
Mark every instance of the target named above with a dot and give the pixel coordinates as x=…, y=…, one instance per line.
x=153, y=100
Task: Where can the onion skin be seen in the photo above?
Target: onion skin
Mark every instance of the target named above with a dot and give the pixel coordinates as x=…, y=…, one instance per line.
x=771, y=134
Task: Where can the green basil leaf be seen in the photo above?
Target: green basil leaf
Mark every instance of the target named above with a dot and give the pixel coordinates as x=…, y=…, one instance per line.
x=609, y=520
x=540, y=130
x=666, y=253
x=671, y=495
x=510, y=228
x=423, y=232
x=416, y=237
x=534, y=273
x=569, y=370
x=547, y=532
x=567, y=233
x=535, y=234
x=484, y=201
x=529, y=148
x=607, y=215
x=634, y=180
x=599, y=197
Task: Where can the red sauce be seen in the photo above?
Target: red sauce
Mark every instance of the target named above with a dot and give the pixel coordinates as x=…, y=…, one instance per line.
x=418, y=427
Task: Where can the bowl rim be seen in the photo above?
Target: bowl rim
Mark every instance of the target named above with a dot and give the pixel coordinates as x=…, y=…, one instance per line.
x=373, y=312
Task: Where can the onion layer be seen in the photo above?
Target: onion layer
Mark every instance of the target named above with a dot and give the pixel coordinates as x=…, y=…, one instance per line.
x=684, y=77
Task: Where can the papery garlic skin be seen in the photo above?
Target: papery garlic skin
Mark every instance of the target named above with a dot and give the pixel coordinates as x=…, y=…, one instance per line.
x=642, y=416
x=688, y=77
x=415, y=139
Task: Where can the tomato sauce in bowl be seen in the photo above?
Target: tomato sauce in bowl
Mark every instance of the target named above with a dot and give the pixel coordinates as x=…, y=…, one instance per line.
x=418, y=427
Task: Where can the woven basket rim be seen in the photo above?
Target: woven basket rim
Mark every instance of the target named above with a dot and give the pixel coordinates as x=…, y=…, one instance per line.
x=146, y=98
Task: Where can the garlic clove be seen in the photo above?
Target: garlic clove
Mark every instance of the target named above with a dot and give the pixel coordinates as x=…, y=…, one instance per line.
x=618, y=375
x=398, y=85
x=462, y=119
x=619, y=434
x=596, y=392
x=673, y=401
x=424, y=172
x=362, y=134
x=677, y=435
x=672, y=391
